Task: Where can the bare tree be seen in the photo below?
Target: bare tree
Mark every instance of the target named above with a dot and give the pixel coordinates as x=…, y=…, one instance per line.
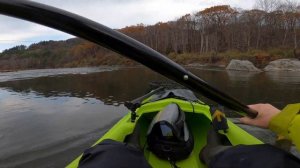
x=267, y=5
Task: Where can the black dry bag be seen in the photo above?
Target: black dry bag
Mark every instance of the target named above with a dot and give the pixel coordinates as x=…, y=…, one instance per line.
x=168, y=136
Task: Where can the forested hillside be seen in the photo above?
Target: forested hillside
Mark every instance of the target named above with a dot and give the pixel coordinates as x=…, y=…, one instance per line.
x=213, y=35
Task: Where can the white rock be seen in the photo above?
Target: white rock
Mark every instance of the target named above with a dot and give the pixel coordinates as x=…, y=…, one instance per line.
x=242, y=65
x=283, y=65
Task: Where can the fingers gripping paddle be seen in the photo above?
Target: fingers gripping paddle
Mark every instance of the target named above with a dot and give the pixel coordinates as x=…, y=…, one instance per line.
x=120, y=43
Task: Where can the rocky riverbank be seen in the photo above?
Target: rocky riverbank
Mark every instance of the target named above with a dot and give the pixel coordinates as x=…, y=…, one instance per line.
x=277, y=65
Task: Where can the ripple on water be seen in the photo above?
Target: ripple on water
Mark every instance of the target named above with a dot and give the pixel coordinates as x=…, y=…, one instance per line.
x=29, y=74
x=50, y=111
x=284, y=77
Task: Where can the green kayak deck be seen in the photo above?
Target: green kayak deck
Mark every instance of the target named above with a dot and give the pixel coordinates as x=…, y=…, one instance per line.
x=198, y=119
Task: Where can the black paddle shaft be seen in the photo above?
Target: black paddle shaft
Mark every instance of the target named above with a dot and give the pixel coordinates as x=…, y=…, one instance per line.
x=120, y=43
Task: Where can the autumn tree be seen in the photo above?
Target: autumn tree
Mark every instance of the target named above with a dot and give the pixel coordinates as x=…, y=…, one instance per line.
x=217, y=18
x=272, y=24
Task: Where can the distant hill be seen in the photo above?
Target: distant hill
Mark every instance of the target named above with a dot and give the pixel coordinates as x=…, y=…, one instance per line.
x=73, y=52
x=214, y=35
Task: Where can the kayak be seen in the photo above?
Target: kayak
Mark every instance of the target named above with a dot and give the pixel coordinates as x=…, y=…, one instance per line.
x=198, y=118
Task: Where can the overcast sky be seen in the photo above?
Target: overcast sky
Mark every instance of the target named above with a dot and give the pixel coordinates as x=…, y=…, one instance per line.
x=112, y=13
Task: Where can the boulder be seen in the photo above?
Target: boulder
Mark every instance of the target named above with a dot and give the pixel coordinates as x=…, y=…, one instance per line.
x=283, y=65
x=242, y=65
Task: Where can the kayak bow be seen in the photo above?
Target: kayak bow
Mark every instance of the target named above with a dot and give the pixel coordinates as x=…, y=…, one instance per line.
x=198, y=119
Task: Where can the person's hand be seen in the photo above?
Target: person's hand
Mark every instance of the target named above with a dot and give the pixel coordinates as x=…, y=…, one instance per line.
x=265, y=113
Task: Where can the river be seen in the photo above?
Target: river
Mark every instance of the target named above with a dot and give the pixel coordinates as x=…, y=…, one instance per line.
x=48, y=117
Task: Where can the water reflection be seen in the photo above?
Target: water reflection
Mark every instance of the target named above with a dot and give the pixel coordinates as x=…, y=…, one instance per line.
x=116, y=87
x=34, y=128
x=241, y=75
x=50, y=117
x=279, y=88
x=112, y=88
x=285, y=77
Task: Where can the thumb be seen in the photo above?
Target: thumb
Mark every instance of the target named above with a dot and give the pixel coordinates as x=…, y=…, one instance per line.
x=246, y=120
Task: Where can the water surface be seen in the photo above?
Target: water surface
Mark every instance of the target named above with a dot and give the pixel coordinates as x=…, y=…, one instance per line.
x=47, y=120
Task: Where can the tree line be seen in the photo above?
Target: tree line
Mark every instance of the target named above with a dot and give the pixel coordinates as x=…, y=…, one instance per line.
x=271, y=24
x=217, y=34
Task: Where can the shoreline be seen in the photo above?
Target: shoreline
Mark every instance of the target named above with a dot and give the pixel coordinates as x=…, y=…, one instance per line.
x=217, y=65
